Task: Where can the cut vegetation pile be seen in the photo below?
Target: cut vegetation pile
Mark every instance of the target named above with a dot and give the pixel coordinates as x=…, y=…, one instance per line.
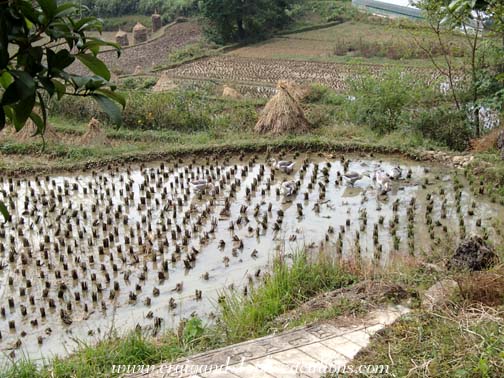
x=298, y=92
x=94, y=135
x=229, y=92
x=282, y=114
x=164, y=84
x=27, y=133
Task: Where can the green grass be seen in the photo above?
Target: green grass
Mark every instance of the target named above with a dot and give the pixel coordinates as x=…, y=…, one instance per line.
x=445, y=345
x=287, y=287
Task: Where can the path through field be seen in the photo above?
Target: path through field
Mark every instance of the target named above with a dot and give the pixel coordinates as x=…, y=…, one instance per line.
x=306, y=352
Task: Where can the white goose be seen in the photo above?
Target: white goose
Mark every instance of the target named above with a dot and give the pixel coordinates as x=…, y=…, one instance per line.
x=288, y=188
x=395, y=173
x=286, y=166
x=200, y=186
x=383, y=181
x=353, y=177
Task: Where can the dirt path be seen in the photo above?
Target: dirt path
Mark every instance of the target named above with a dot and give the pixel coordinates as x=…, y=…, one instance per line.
x=305, y=352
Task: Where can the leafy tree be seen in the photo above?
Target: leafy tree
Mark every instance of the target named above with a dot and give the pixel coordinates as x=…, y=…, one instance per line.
x=480, y=81
x=39, y=41
x=238, y=20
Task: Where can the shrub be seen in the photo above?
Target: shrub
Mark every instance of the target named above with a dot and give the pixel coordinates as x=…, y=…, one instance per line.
x=380, y=101
x=442, y=124
x=324, y=95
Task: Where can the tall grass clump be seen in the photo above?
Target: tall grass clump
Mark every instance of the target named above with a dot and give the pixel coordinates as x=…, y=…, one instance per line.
x=288, y=286
x=182, y=110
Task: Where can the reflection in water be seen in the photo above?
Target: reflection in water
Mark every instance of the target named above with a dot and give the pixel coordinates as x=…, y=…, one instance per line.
x=142, y=245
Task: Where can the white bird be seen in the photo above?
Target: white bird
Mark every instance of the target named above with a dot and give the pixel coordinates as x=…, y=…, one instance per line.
x=200, y=186
x=285, y=166
x=288, y=188
x=383, y=181
x=353, y=177
x=395, y=173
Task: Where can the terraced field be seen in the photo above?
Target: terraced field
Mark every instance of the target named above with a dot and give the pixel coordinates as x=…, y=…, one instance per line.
x=151, y=54
x=262, y=71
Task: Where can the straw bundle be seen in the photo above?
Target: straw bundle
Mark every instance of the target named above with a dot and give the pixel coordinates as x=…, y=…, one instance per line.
x=139, y=33
x=164, y=84
x=282, y=114
x=94, y=135
x=297, y=91
x=229, y=92
x=121, y=38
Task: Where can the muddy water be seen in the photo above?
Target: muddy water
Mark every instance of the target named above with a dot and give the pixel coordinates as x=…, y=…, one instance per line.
x=103, y=250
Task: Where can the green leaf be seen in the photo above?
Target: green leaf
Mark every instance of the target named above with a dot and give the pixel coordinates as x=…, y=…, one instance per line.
x=4, y=211
x=22, y=88
x=22, y=111
x=113, y=95
x=109, y=107
x=49, y=7
x=95, y=65
x=94, y=44
x=6, y=79
x=66, y=9
x=59, y=87
x=39, y=123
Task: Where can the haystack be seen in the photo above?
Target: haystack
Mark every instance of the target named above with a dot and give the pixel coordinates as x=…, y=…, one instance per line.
x=229, y=92
x=121, y=38
x=156, y=22
x=164, y=84
x=487, y=142
x=297, y=91
x=29, y=129
x=282, y=114
x=139, y=33
x=94, y=135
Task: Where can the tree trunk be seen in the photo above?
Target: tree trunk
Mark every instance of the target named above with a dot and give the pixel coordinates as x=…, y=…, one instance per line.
x=241, y=30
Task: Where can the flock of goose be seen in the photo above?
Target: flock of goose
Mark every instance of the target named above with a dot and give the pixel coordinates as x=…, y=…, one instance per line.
x=141, y=242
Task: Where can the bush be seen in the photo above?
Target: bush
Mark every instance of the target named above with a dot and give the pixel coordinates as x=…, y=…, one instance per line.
x=381, y=101
x=443, y=124
x=323, y=95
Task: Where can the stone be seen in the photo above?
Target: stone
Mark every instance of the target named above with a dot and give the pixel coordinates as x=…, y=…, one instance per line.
x=440, y=294
x=473, y=254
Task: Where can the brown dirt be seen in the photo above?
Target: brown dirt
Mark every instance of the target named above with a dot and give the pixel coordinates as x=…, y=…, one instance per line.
x=487, y=142
x=485, y=287
x=366, y=293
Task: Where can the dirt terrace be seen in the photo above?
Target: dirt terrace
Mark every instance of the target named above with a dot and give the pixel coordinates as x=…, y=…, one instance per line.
x=269, y=71
x=150, y=54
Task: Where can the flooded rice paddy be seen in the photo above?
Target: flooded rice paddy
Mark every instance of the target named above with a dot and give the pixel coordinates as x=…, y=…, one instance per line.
x=149, y=244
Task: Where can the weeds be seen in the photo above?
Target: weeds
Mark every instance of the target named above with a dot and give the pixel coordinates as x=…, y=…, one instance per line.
x=286, y=288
